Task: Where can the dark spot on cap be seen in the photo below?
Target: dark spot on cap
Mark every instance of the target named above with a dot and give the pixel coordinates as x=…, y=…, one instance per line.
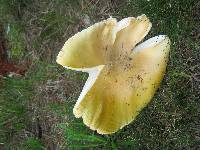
x=106, y=47
x=130, y=58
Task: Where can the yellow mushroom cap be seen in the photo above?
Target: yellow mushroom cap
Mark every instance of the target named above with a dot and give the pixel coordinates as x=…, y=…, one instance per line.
x=123, y=76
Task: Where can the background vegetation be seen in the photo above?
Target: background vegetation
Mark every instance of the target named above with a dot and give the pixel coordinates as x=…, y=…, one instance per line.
x=36, y=109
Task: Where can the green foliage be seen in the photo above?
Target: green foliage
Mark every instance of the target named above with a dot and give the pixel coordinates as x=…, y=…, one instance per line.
x=38, y=71
x=172, y=18
x=11, y=9
x=14, y=94
x=54, y=23
x=78, y=137
x=61, y=110
x=32, y=144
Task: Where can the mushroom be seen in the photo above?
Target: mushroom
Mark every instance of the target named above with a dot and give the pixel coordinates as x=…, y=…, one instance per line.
x=123, y=76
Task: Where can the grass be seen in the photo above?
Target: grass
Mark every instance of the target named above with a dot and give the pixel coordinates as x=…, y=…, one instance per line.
x=33, y=144
x=36, y=110
x=14, y=95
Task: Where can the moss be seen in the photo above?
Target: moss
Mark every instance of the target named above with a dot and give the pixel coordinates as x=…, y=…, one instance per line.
x=16, y=42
